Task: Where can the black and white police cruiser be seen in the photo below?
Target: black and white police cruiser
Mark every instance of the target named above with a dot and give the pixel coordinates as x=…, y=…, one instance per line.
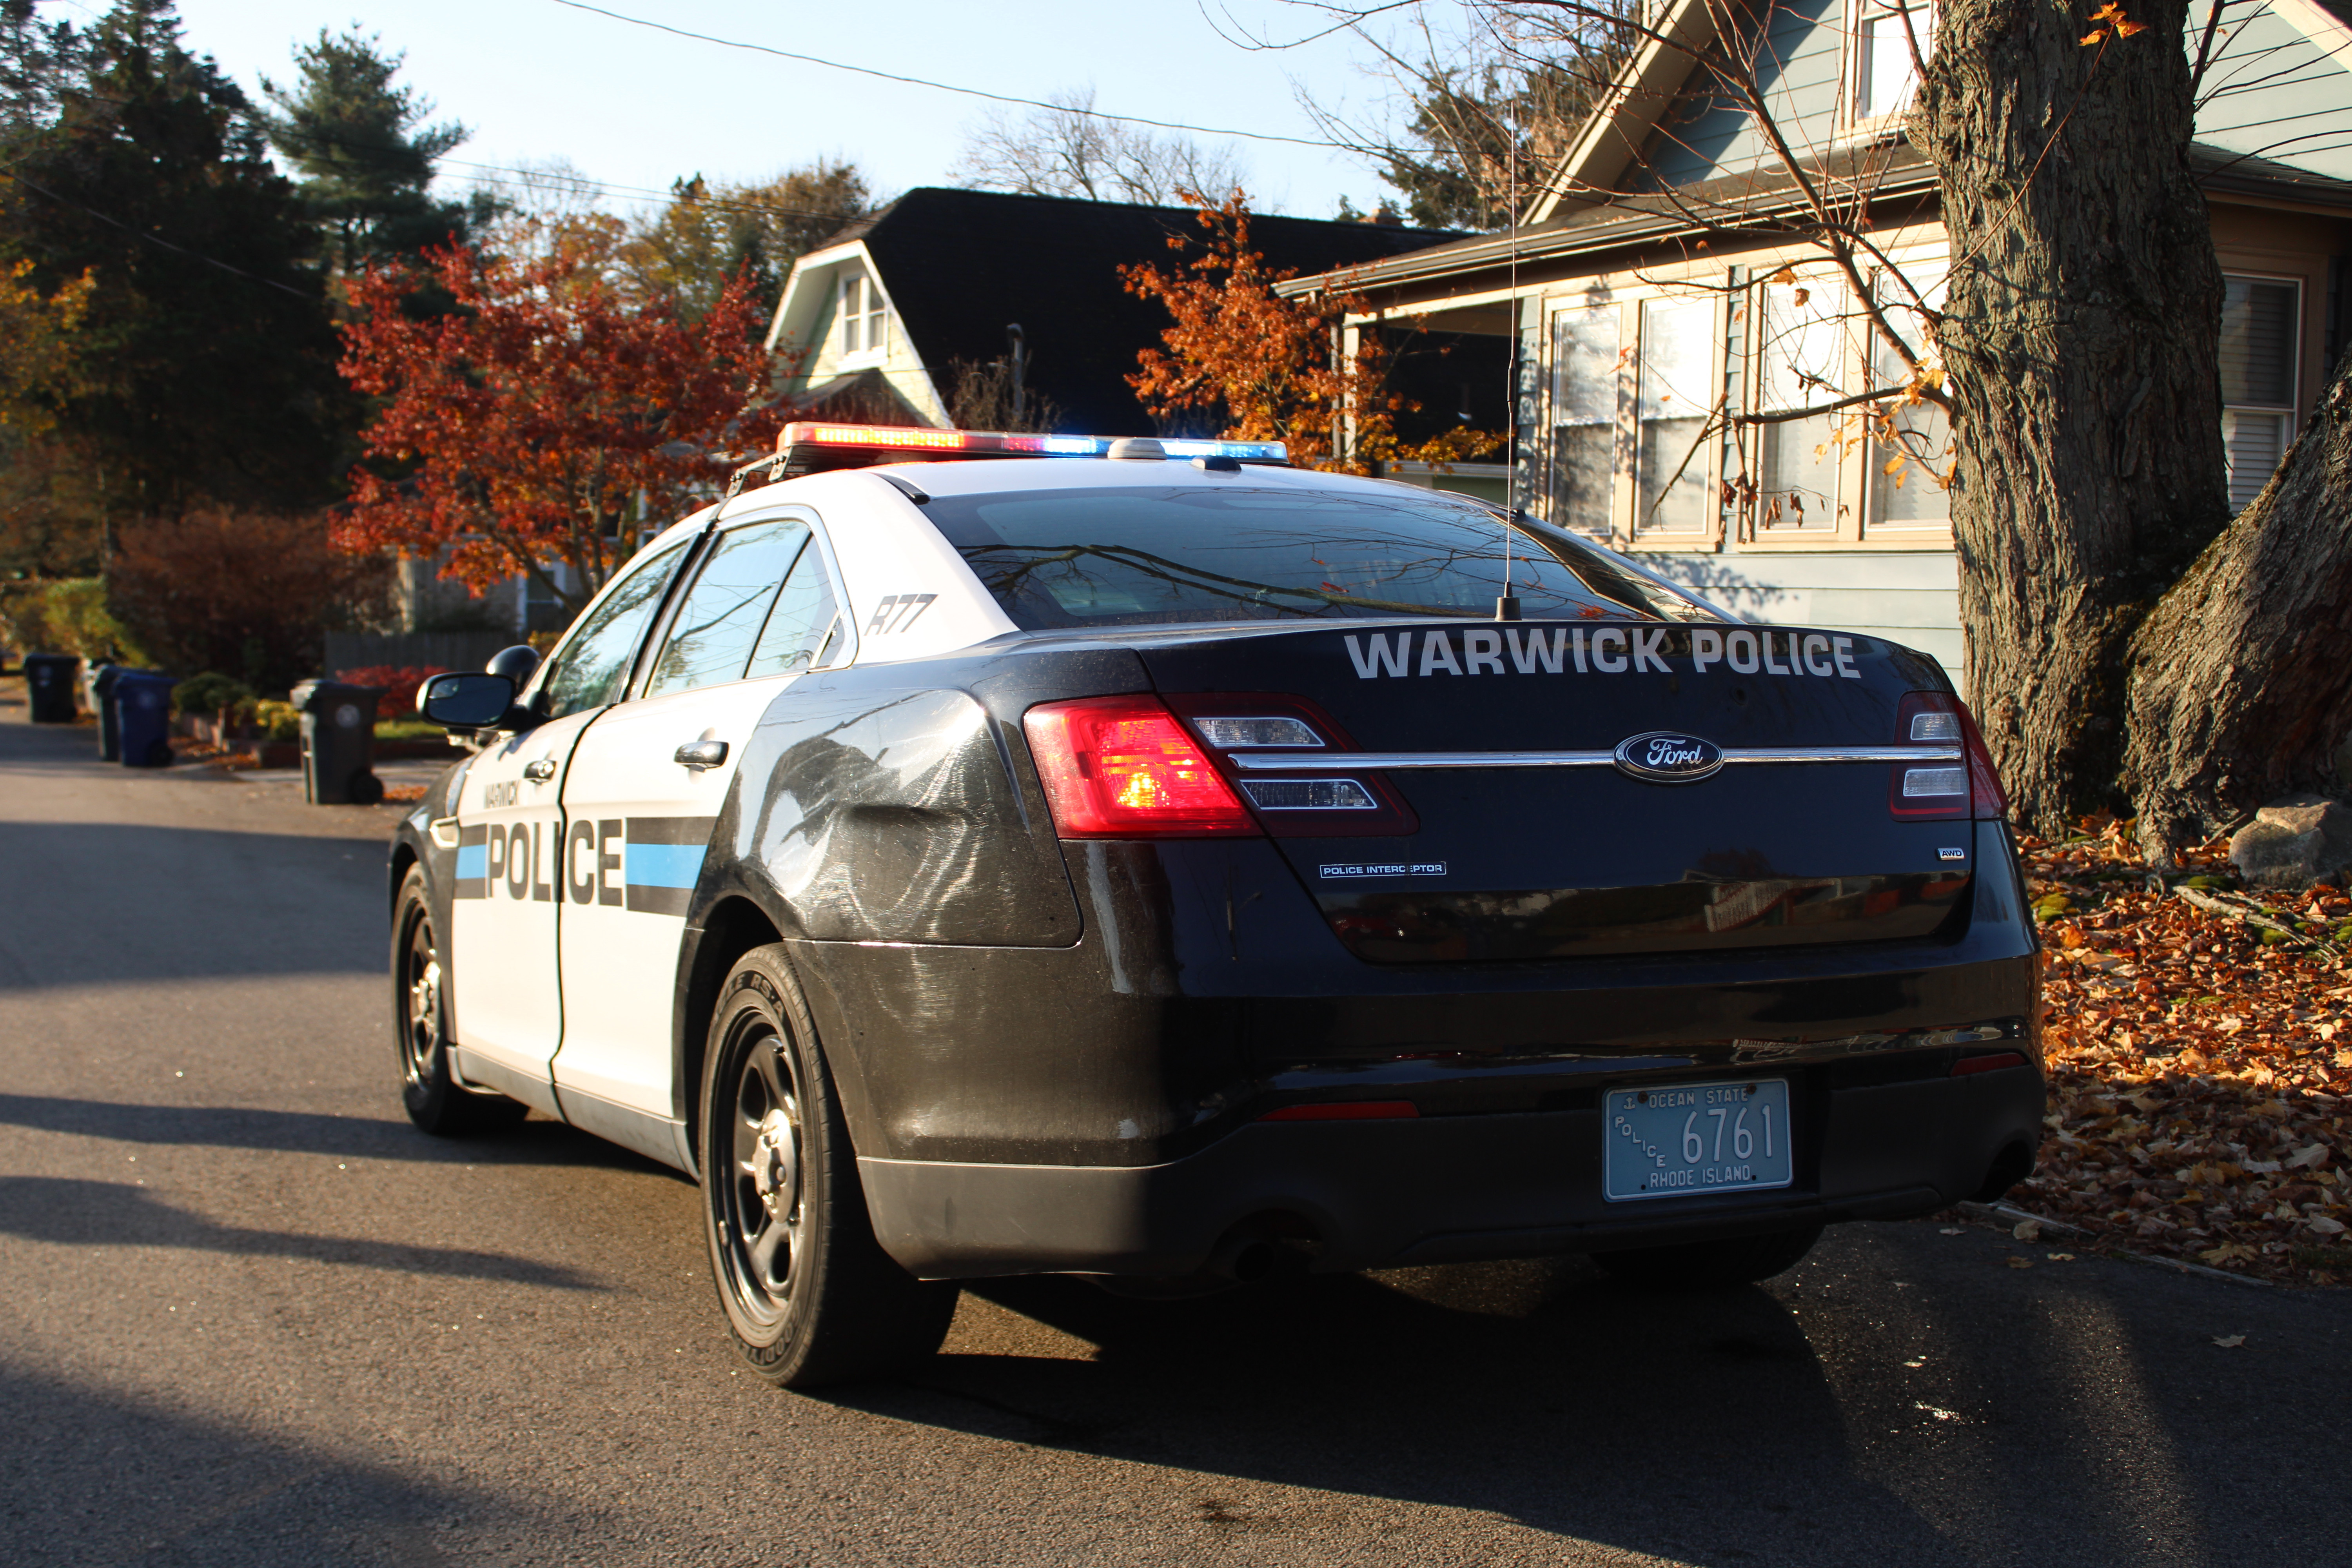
x=978, y=855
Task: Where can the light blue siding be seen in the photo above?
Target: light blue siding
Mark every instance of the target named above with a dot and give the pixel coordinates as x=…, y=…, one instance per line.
x=1912, y=597
x=2273, y=93
x=1798, y=67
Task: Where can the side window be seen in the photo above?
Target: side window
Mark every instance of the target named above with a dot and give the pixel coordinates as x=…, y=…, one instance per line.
x=803, y=631
x=592, y=668
x=717, y=623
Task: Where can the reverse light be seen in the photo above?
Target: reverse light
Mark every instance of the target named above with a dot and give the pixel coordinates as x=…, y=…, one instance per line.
x=1338, y=802
x=1993, y=1063
x=1122, y=767
x=1936, y=788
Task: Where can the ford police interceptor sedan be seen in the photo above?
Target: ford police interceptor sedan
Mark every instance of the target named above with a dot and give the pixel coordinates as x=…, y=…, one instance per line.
x=1152, y=862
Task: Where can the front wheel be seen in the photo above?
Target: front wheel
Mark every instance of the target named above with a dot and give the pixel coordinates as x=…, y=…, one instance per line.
x=810, y=1296
x=434, y=1100
x=1712, y=1265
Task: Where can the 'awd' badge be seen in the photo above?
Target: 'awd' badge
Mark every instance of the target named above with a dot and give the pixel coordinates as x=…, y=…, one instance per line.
x=1667, y=756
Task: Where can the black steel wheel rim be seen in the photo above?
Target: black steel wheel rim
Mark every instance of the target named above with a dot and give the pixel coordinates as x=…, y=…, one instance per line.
x=761, y=1195
x=420, y=997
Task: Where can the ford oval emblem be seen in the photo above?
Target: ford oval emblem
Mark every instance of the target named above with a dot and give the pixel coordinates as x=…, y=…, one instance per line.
x=1668, y=756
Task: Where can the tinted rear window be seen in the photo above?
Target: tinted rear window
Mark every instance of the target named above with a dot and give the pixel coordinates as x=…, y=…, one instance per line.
x=1239, y=553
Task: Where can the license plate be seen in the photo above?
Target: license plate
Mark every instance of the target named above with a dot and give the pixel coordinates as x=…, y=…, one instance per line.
x=1676, y=1140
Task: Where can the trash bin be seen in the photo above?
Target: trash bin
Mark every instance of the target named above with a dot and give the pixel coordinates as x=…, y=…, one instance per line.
x=49, y=681
x=339, y=742
x=98, y=688
x=142, y=707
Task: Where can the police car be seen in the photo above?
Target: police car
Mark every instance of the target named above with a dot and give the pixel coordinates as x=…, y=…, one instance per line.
x=978, y=855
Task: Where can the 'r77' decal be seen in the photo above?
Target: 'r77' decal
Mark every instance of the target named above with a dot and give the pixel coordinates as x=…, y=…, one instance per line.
x=896, y=612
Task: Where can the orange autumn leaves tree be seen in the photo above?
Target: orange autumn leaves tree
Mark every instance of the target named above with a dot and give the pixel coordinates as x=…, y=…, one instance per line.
x=530, y=423
x=1268, y=365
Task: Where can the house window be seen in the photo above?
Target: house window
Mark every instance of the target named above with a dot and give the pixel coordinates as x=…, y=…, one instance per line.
x=1584, y=417
x=1800, y=362
x=2259, y=318
x=865, y=318
x=1884, y=73
x=1670, y=414
x=1908, y=495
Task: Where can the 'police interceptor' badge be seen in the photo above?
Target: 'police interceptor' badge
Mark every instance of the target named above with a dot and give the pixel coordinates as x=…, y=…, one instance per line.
x=1667, y=756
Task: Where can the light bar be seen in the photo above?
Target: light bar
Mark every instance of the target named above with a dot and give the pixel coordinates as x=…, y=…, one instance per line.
x=997, y=443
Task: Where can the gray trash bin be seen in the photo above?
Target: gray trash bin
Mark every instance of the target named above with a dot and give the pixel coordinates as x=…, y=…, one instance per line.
x=98, y=684
x=339, y=742
x=49, y=683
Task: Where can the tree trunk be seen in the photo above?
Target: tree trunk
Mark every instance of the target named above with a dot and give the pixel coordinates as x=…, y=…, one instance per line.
x=2241, y=679
x=2080, y=339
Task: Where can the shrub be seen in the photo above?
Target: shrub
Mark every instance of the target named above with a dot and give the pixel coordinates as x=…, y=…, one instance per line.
x=210, y=693
x=248, y=592
x=277, y=720
x=67, y=616
x=398, y=683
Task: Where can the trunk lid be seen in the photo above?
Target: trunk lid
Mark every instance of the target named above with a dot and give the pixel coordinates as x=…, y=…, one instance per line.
x=1564, y=854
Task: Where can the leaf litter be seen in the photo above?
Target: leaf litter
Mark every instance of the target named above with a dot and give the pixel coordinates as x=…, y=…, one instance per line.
x=2197, y=1042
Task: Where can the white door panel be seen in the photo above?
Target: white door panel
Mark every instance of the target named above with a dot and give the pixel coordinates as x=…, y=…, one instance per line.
x=641, y=825
x=507, y=895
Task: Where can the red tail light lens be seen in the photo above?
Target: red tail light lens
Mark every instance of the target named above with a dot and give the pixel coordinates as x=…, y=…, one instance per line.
x=1941, y=788
x=1346, y=1110
x=1122, y=767
x=1994, y=1063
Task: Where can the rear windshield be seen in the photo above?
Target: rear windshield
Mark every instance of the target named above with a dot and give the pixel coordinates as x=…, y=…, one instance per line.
x=1239, y=553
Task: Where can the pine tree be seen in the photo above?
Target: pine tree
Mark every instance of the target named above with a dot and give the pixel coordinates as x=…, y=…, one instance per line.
x=208, y=355
x=365, y=153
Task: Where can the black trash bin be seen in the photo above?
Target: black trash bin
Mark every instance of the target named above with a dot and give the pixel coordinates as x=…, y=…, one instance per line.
x=50, y=681
x=97, y=688
x=339, y=742
x=142, y=706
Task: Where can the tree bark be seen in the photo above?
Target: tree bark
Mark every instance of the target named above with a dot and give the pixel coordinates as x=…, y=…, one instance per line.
x=2080, y=341
x=2241, y=679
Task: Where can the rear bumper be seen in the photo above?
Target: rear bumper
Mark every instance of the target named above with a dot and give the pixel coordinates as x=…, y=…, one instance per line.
x=1439, y=1189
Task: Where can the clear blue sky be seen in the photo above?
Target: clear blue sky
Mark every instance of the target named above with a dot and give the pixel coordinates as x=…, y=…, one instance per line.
x=637, y=108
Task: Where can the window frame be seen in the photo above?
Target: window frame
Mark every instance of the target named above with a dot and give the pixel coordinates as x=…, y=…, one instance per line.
x=1853, y=73
x=868, y=321
x=1554, y=307
x=1843, y=527
x=2292, y=409
x=641, y=674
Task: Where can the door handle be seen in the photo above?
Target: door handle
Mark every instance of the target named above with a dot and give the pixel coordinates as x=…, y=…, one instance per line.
x=540, y=770
x=700, y=754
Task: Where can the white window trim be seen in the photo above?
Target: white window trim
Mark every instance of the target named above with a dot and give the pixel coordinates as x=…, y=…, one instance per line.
x=1853, y=124
x=2290, y=411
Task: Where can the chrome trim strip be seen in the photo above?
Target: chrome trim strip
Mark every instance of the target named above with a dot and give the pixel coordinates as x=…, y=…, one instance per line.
x=1389, y=761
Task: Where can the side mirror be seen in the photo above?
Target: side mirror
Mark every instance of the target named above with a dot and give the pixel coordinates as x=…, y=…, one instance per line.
x=461, y=701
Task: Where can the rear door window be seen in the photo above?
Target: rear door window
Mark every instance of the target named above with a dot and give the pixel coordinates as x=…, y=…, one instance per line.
x=593, y=667
x=1239, y=553
x=717, y=623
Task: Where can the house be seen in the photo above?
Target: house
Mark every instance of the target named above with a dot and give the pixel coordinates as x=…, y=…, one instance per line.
x=1630, y=333
x=989, y=310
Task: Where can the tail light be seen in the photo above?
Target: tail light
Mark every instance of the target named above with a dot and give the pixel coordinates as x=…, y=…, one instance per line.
x=1996, y=1062
x=1962, y=786
x=1347, y=1110
x=1327, y=799
x=1122, y=767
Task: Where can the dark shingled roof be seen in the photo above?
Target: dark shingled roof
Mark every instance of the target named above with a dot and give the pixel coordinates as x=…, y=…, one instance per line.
x=960, y=265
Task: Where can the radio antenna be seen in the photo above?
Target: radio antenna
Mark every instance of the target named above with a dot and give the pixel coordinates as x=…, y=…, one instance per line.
x=1507, y=606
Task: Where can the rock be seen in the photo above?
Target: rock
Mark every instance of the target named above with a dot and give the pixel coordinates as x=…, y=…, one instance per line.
x=2294, y=842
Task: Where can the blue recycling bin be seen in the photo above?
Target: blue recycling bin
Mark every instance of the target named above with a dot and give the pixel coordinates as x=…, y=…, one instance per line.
x=49, y=681
x=142, y=707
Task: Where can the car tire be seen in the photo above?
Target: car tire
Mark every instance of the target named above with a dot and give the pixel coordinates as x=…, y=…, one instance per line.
x=432, y=1097
x=809, y=1295
x=1711, y=1265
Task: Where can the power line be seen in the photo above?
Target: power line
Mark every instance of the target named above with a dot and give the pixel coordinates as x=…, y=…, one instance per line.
x=154, y=238
x=950, y=87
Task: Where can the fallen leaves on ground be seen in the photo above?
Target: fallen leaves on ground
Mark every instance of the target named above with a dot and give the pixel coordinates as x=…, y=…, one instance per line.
x=2198, y=1060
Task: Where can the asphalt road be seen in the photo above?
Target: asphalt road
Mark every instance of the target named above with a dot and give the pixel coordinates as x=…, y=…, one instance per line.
x=248, y=1316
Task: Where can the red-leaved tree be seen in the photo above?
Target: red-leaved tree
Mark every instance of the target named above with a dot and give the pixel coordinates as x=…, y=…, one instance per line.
x=1266, y=364
x=532, y=422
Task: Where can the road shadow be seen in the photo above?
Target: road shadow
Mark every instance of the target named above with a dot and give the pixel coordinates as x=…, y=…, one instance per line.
x=71, y=1212
x=90, y=1477
x=1702, y=1429
x=531, y=1143
x=1901, y=1398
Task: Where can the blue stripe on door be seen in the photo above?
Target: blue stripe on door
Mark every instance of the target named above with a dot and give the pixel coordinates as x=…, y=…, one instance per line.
x=473, y=860
x=663, y=865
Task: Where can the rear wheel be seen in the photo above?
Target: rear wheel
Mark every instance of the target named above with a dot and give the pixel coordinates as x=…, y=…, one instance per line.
x=1711, y=1265
x=810, y=1296
x=435, y=1102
